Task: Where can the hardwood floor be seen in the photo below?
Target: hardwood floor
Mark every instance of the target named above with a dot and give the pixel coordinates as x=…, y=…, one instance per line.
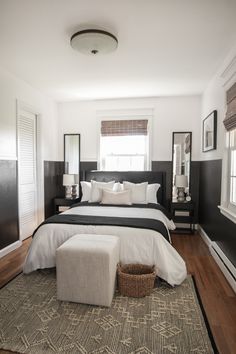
x=12, y=264
x=218, y=298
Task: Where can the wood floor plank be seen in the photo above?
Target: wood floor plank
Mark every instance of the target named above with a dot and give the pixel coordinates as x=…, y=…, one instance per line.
x=12, y=264
x=217, y=296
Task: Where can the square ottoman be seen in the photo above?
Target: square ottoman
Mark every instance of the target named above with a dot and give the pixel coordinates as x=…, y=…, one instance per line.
x=86, y=269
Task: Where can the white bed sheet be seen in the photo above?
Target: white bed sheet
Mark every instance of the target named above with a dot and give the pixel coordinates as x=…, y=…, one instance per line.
x=136, y=246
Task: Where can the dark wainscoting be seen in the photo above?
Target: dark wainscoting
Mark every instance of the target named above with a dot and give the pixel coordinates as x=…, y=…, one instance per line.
x=9, y=231
x=194, y=187
x=53, y=172
x=166, y=166
x=217, y=226
x=87, y=166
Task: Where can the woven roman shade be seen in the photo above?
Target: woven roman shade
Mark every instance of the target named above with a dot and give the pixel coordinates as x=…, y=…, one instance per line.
x=230, y=119
x=124, y=127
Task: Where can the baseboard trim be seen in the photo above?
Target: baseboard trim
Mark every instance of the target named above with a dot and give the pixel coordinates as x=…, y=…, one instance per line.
x=204, y=236
x=10, y=248
x=227, y=268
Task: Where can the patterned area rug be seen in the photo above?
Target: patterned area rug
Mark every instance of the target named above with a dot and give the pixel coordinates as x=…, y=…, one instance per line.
x=33, y=321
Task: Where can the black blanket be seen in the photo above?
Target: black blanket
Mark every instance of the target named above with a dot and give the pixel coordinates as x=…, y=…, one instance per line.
x=75, y=219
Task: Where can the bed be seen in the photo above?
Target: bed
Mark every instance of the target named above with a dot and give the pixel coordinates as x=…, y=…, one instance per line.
x=143, y=229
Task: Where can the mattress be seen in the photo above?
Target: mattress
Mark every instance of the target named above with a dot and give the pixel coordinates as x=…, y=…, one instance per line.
x=137, y=244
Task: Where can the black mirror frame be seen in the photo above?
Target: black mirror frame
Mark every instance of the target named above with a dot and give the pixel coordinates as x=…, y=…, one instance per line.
x=180, y=132
x=67, y=134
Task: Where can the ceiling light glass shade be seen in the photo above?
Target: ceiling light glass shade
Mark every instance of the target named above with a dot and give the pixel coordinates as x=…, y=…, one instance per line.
x=94, y=42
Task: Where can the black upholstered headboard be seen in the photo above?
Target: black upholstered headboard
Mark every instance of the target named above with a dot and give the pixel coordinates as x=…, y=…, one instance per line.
x=132, y=176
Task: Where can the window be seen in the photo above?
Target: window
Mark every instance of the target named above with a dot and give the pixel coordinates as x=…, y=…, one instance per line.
x=124, y=145
x=228, y=192
x=232, y=170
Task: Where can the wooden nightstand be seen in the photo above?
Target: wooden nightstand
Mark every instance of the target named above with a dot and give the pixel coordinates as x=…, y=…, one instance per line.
x=61, y=204
x=183, y=213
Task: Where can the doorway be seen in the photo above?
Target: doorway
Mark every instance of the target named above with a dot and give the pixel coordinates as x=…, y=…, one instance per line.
x=27, y=171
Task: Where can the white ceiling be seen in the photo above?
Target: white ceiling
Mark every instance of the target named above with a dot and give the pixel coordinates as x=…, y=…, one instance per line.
x=166, y=47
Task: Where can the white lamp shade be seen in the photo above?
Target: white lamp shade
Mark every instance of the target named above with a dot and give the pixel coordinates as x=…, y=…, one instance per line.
x=68, y=180
x=181, y=181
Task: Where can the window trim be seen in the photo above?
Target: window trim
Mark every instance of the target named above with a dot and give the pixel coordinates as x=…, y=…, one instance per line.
x=228, y=77
x=226, y=208
x=228, y=213
x=126, y=114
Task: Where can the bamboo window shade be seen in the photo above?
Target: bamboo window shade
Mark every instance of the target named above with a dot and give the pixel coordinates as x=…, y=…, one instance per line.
x=124, y=127
x=230, y=119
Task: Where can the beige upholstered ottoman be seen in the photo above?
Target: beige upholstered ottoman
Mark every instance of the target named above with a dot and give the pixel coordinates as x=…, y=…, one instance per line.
x=86, y=269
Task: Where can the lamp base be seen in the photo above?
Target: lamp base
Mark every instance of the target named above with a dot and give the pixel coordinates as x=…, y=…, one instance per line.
x=68, y=192
x=181, y=196
x=74, y=191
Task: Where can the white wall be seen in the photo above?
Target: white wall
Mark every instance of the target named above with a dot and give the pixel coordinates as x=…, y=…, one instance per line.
x=214, y=98
x=169, y=114
x=11, y=90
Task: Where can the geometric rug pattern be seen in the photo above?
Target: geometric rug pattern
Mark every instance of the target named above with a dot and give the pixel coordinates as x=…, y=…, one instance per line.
x=32, y=320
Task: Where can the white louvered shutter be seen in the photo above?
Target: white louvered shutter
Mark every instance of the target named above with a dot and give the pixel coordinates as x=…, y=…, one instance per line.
x=27, y=173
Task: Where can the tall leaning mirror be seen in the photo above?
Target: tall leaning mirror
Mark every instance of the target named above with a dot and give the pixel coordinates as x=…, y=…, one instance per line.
x=72, y=164
x=181, y=166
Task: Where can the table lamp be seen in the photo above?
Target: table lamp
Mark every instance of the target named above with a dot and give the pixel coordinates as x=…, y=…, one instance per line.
x=68, y=182
x=181, y=182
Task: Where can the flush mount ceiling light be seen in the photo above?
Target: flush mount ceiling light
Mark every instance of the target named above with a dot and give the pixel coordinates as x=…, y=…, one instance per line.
x=94, y=41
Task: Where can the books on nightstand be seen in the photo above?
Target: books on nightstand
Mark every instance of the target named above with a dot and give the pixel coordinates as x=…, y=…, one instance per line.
x=63, y=208
x=182, y=213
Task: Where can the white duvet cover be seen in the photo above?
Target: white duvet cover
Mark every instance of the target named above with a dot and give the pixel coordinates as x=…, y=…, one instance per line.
x=137, y=245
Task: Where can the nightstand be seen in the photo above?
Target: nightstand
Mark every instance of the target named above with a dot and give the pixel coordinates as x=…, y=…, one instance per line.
x=61, y=204
x=183, y=213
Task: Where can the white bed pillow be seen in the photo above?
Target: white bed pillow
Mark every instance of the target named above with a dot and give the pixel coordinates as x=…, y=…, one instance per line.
x=138, y=191
x=152, y=193
x=118, y=187
x=151, y=197
x=96, y=190
x=86, y=190
x=117, y=198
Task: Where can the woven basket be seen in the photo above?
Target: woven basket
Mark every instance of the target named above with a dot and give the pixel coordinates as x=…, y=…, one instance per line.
x=135, y=280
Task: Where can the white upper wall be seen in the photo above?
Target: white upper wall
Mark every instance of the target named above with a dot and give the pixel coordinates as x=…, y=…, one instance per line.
x=169, y=114
x=13, y=89
x=214, y=98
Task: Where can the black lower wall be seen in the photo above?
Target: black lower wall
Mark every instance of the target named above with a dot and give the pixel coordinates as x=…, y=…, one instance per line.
x=9, y=232
x=217, y=226
x=88, y=166
x=166, y=166
x=53, y=174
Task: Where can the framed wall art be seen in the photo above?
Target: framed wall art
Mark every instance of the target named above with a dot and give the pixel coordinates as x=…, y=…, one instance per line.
x=209, y=132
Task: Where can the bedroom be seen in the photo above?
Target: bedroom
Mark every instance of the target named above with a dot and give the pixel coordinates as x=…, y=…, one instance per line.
x=177, y=83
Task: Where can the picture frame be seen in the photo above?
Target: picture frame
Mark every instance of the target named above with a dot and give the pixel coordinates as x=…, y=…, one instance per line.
x=209, y=132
